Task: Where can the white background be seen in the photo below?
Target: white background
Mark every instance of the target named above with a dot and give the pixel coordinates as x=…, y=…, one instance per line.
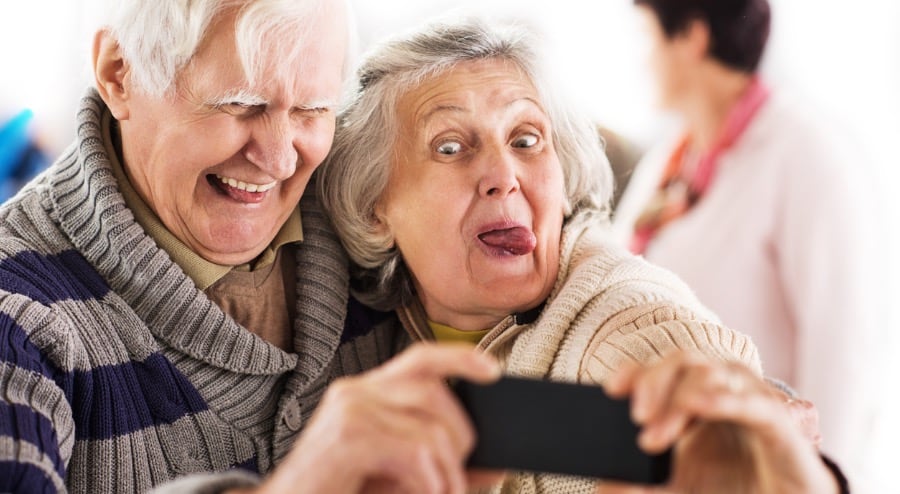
x=845, y=55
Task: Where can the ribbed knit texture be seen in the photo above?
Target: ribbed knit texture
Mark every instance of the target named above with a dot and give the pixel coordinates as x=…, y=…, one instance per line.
x=607, y=308
x=117, y=374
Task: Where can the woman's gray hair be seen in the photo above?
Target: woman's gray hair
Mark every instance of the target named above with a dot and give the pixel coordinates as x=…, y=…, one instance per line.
x=159, y=38
x=355, y=175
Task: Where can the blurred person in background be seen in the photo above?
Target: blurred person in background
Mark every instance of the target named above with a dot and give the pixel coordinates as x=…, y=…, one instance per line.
x=21, y=155
x=764, y=210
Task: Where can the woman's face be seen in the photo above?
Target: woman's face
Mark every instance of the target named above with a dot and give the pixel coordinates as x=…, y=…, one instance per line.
x=665, y=59
x=476, y=196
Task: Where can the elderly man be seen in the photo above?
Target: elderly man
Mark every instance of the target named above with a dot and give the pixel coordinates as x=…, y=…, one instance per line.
x=169, y=318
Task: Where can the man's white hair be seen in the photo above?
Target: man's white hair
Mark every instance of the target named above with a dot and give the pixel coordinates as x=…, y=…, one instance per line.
x=158, y=38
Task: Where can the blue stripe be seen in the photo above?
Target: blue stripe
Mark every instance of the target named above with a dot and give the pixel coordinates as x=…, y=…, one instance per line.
x=250, y=465
x=116, y=400
x=361, y=320
x=107, y=401
x=24, y=424
x=48, y=279
x=24, y=478
x=17, y=350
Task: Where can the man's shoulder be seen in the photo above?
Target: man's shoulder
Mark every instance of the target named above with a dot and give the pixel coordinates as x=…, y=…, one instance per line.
x=48, y=277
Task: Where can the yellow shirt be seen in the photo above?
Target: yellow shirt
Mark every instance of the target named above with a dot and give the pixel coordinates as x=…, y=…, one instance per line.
x=446, y=333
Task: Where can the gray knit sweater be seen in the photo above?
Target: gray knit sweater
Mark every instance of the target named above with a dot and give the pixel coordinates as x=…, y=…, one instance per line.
x=117, y=374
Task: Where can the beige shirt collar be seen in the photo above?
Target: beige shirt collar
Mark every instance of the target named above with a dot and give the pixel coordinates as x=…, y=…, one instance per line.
x=201, y=271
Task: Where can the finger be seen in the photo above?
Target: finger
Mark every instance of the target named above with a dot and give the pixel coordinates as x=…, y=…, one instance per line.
x=435, y=423
x=415, y=451
x=411, y=453
x=729, y=392
x=622, y=381
x=441, y=423
x=692, y=381
x=430, y=400
x=622, y=488
x=654, y=386
x=661, y=433
x=688, y=381
x=444, y=447
x=444, y=360
x=484, y=478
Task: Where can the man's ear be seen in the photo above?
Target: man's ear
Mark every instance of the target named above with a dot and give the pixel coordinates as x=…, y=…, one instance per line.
x=110, y=74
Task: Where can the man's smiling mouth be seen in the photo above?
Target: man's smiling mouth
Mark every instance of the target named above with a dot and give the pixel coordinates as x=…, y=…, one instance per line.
x=239, y=190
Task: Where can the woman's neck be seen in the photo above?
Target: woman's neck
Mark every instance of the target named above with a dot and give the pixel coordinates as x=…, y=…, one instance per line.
x=706, y=109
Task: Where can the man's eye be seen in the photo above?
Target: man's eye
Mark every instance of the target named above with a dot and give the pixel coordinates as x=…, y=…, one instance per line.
x=525, y=141
x=312, y=111
x=449, y=148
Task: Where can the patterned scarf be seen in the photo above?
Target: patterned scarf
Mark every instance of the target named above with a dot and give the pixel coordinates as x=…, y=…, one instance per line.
x=688, y=175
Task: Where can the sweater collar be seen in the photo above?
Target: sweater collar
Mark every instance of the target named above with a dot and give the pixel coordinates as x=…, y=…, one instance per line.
x=87, y=203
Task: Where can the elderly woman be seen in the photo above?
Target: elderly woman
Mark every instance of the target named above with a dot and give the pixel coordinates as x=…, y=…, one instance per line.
x=474, y=205
x=733, y=202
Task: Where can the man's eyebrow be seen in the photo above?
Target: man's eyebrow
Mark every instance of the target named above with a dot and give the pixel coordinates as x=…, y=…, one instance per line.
x=243, y=97
x=318, y=105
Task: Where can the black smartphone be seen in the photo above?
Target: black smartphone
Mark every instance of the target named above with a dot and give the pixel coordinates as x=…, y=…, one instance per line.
x=554, y=427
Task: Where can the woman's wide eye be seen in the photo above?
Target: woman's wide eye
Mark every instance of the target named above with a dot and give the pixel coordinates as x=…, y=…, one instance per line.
x=525, y=141
x=449, y=148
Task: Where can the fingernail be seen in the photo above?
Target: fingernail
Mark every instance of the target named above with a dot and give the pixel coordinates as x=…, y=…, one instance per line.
x=490, y=364
x=646, y=439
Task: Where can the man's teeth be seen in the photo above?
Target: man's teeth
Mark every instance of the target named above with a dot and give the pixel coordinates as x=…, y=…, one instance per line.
x=237, y=184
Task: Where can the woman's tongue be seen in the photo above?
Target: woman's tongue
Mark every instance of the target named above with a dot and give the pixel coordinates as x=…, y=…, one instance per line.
x=517, y=241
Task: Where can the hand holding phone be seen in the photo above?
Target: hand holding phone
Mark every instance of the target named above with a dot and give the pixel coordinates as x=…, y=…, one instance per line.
x=545, y=426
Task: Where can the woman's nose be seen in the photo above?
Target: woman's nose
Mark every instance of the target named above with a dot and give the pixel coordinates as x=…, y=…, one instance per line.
x=499, y=176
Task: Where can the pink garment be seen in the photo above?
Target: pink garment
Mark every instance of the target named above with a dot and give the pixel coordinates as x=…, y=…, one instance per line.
x=785, y=246
x=684, y=180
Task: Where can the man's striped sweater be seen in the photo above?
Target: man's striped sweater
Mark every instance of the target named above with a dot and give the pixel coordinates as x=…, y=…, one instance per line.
x=117, y=374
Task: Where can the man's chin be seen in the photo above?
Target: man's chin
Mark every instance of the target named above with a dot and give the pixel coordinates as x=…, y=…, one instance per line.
x=232, y=256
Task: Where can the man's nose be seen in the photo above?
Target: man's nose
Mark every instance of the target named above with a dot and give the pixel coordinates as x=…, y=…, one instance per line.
x=272, y=147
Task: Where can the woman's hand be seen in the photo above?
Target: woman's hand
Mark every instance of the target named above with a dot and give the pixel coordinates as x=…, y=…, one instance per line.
x=732, y=431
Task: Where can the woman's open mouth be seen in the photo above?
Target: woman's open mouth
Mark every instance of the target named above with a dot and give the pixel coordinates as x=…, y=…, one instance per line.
x=516, y=241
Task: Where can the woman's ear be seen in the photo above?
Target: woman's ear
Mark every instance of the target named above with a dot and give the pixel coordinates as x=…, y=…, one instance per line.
x=380, y=225
x=697, y=39
x=110, y=74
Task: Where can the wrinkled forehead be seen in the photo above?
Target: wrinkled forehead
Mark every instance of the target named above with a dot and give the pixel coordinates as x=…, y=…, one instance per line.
x=466, y=85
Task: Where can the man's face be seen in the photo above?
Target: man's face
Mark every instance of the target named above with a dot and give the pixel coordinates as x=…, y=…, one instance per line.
x=223, y=163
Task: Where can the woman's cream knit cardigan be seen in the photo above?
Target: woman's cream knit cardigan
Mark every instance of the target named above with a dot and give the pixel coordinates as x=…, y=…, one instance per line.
x=607, y=308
